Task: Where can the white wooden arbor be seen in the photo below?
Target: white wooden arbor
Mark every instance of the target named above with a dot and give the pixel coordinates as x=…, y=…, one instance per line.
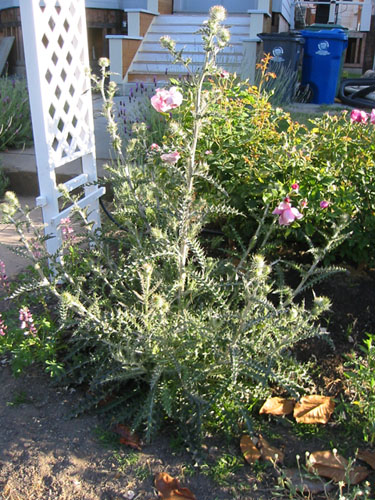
x=57, y=64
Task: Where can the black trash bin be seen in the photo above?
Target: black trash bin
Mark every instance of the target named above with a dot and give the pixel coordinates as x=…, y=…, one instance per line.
x=285, y=50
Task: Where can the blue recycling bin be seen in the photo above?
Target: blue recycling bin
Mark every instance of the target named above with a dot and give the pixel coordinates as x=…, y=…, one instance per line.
x=321, y=64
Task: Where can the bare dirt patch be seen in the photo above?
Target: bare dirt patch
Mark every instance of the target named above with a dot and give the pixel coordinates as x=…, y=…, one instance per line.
x=45, y=454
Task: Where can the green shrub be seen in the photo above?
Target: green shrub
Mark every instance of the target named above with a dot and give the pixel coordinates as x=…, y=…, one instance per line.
x=15, y=118
x=360, y=374
x=257, y=152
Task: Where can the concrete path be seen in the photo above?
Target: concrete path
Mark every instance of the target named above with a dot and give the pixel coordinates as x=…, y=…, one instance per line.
x=9, y=241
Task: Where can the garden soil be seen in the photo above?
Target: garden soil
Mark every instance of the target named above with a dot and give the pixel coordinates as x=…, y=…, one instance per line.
x=45, y=454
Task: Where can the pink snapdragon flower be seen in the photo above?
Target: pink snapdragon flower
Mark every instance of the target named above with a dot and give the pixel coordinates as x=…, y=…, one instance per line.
x=67, y=230
x=287, y=213
x=372, y=116
x=154, y=147
x=324, y=204
x=358, y=116
x=295, y=187
x=36, y=248
x=27, y=322
x=164, y=100
x=224, y=74
x=171, y=158
x=3, y=326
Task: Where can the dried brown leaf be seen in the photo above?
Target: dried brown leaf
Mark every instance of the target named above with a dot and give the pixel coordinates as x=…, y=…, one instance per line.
x=169, y=488
x=127, y=437
x=278, y=406
x=269, y=452
x=334, y=466
x=368, y=457
x=314, y=409
x=249, y=450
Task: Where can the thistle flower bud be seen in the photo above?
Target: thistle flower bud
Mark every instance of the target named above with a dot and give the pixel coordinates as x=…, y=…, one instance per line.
x=321, y=304
x=160, y=304
x=223, y=35
x=10, y=205
x=167, y=42
x=104, y=62
x=147, y=267
x=12, y=199
x=259, y=266
x=218, y=13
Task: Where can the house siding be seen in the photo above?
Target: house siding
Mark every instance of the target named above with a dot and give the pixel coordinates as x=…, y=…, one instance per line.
x=232, y=6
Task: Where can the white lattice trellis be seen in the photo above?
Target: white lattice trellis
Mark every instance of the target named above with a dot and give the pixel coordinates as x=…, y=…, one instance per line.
x=56, y=53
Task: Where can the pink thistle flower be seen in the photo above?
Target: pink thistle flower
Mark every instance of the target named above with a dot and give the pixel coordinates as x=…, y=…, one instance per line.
x=287, y=213
x=164, y=100
x=324, y=204
x=295, y=187
x=171, y=158
x=358, y=116
x=3, y=327
x=372, y=116
x=27, y=322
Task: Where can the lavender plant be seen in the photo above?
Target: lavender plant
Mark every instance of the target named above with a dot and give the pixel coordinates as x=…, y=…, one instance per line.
x=15, y=121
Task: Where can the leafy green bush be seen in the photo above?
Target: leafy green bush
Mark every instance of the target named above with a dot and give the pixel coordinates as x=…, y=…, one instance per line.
x=149, y=318
x=360, y=374
x=15, y=118
x=257, y=152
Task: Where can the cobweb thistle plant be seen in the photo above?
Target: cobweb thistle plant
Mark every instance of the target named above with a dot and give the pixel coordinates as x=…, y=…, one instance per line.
x=193, y=334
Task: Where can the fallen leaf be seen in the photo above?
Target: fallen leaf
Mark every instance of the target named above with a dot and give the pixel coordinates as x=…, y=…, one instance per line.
x=169, y=488
x=249, y=450
x=334, y=466
x=127, y=436
x=304, y=484
x=367, y=456
x=269, y=452
x=314, y=409
x=278, y=406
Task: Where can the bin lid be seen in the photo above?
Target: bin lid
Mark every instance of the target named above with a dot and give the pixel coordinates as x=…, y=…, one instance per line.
x=287, y=36
x=336, y=34
x=322, y=26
